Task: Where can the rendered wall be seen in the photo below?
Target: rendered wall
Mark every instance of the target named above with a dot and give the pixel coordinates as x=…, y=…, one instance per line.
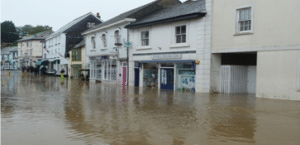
x=277, y=75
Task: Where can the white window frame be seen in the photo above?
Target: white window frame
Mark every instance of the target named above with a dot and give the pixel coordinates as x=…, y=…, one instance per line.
x=181, y=34
x=117, y=38
x=139, y=39
x=142, y=39
x=104, y=42
x=187, y=33
x=236, y=20
x=93, y=43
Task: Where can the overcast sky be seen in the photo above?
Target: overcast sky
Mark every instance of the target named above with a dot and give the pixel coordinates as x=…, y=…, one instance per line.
x=56, y=13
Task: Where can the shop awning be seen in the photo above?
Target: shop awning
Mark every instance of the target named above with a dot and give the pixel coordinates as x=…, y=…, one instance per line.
x=45, y=62
x=166, y=61
x=38, y=63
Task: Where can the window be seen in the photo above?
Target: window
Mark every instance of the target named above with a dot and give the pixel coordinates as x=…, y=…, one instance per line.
x=27, y=44
x=55, y=51
x=30, y=44
x=244, y=20
x=21, y=52
x=30, y=51
x=145, y=38
x=45, y=56
x=76, y=55
x=93, y=42
x=180, y=34
x=104, y=40
x=90, y=24
x=117, y=36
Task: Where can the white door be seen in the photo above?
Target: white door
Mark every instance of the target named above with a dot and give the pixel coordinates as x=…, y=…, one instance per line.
x=251, y=84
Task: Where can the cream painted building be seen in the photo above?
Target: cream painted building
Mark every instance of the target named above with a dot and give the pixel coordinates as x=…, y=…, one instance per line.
x=256, y=48
x=77, y=60
x=30, y=49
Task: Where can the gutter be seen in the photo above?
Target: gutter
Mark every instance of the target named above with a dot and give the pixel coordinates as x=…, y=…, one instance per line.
x=110, y=25
x=173, y=19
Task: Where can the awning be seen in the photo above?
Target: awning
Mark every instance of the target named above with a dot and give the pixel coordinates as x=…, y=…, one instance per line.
x=166, y=61
x=38, y=63
x=45, y=62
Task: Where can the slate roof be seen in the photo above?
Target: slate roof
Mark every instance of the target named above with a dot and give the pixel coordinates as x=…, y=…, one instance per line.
x=70, y=24
x=38, y=36
x=121, y=16
x=5, y=50
x=188, y=8
x=80, y=44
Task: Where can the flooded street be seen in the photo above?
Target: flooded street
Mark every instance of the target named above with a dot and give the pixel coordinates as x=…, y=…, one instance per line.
x=42, y=110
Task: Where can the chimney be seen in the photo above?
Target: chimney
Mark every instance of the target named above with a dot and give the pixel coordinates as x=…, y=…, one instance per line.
x=98, y=15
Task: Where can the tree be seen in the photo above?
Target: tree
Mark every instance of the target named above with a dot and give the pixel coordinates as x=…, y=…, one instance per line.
x=8, y=33
x=39, y=28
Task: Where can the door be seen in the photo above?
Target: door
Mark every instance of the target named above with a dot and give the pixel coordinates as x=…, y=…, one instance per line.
x=167, y=79
x=124, y=76
x=251, y=86
x=137, y=77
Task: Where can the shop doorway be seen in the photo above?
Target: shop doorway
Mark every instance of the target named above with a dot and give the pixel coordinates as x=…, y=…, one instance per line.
x=136, y=77
x=167, y=79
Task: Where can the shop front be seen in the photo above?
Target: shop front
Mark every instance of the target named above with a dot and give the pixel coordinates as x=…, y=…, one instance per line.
x=166, y=74
x=104, y=69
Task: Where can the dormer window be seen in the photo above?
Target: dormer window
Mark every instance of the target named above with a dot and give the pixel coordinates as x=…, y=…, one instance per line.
x=90, y=24
x=93, y=42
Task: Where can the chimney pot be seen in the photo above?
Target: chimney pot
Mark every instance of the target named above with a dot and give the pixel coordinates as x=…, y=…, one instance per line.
x=98, y=15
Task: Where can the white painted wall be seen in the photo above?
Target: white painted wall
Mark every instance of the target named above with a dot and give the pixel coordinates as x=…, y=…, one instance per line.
x=275, y=23
x=163, y=36
x=251, y=79
x=277, y=75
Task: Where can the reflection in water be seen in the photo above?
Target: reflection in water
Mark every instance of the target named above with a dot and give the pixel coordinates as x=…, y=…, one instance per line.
x=235, y=120
x=78, y=112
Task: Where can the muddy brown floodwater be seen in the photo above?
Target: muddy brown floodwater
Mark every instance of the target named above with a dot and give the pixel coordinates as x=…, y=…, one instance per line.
x=40, y=110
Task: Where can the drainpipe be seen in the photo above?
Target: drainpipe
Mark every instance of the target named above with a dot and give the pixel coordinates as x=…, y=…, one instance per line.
x=127, y=59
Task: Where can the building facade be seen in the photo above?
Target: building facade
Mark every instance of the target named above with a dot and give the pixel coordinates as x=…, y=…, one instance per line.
x=9, y=57
x=30, y=49
x=58, y=44
x=256, y=48
x=76, y=62
x=106, y=46
x=168, y=47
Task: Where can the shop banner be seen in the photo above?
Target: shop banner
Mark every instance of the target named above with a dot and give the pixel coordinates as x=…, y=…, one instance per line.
x=167, y=56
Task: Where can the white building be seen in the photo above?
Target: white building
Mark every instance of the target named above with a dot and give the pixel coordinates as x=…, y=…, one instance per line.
x=168, y=45
x=9, y=58
x=256, y=48
x=105, y=44
x=58, y=44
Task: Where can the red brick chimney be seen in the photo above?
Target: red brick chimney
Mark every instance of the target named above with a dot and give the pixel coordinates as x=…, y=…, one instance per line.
x=98, y=15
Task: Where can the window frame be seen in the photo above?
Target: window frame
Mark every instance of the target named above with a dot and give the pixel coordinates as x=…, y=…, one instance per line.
x=117, y=38
x=104, y=41
x=142, y=39
x=93, y=42
x=236, y=20
x=181, y=34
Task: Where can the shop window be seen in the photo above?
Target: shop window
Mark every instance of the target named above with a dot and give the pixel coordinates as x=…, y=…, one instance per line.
x=186, y=77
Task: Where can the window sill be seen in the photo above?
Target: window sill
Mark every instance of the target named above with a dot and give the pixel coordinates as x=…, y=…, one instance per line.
x=143, y=48
x=104, y=48
x=180, y=45
x=93, y=50
x=243, y=33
